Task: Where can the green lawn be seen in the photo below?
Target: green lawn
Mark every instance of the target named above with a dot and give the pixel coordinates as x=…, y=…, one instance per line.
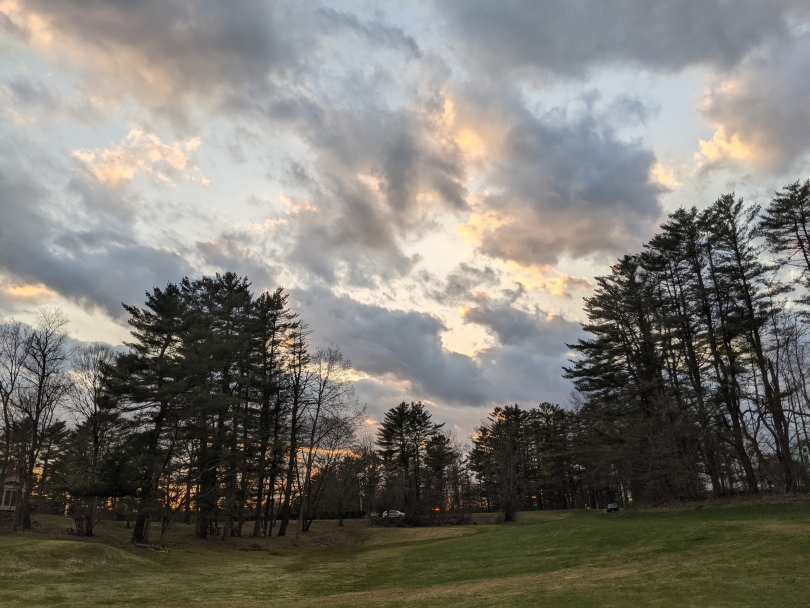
x=755, y=555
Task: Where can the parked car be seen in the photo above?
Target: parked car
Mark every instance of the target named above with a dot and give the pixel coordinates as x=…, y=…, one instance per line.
x=612, y=507
x=393, y=513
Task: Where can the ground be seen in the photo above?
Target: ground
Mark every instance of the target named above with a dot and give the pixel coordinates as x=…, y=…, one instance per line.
x=726, y=555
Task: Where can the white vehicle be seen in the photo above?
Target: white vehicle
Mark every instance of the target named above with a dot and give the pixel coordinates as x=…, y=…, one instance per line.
x=393, y=513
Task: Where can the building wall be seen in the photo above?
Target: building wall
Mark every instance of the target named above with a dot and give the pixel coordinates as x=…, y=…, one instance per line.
x=11, y=493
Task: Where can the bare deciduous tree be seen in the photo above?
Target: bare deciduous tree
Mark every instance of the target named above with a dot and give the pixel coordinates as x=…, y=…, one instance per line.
x=330, y=420
x=94, y=424
x=45, y=383
x=12, y=353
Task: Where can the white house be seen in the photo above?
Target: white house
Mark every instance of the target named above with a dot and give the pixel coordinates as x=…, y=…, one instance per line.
x=11, y=492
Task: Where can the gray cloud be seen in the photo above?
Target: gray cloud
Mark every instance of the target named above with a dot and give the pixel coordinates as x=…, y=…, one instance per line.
x=525, y=365
x=629, y=111
x=28, y=95
x=524, y=374
x=570, y=186
x=116, y=207
x=370, y=158
x=235, y=253
x=97, y=266
x=571, y=37
x=765, y=104
x=459, y=283
x=374, y=32
x=514, y=327
x=293, y=69
x=405, y=346
x=373, y=165
x=178, y=47
x=378, y=176
x=567, y=187
x=81, y=243
x=396, y=346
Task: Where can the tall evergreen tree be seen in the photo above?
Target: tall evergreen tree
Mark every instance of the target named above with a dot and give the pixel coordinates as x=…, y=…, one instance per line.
x=403, y=437
x=785, y=224
x=272, y=322
x=746, y=277
x=149, y=381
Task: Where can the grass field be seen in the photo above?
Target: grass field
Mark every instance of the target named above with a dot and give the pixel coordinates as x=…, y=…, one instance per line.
x=753, y=555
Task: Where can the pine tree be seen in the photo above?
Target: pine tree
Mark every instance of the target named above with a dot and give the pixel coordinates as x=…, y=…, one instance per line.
x=272, y=322
x=500, y=458
x=216, y=352
x=403, y=438
x=149, y=382
x=746, y=279
x=785, y=225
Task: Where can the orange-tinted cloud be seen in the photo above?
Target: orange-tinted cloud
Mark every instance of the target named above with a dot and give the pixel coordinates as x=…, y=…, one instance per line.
x=142, y=153
x=723, y=146
x=543, y=278
x=27, y=290
x=761, y=112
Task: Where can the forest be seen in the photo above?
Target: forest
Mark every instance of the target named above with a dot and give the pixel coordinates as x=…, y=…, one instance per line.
x=222, y=413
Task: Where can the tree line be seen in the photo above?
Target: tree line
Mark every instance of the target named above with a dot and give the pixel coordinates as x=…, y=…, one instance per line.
x=695, y=378
x=220, y=414
x=694, y=381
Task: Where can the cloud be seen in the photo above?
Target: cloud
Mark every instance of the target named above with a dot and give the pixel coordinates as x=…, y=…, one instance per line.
x=379, y=131
x=572, y=37
x=373, y=32
x=459, y=285
x=554, y=185
x=98, y=265
x=142, y=153
x=629, y=111
x=236, y=253
x=664, y=175
x=373, y=171
x=29, y=99
x=513, y=326
x=377, y=178
x=389, y=149
x=559, y=186
x=525, y=364
x=403, y=353
x=163, y=52
x=67, y=235
x=402, y=345
x=18, y=296
x=761, y=111
x=548, y=279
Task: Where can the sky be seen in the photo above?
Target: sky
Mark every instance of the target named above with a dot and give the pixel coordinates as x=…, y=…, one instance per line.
x=436, y=183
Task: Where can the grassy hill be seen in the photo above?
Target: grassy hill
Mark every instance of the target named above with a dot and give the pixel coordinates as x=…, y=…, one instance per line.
x=752, y=555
